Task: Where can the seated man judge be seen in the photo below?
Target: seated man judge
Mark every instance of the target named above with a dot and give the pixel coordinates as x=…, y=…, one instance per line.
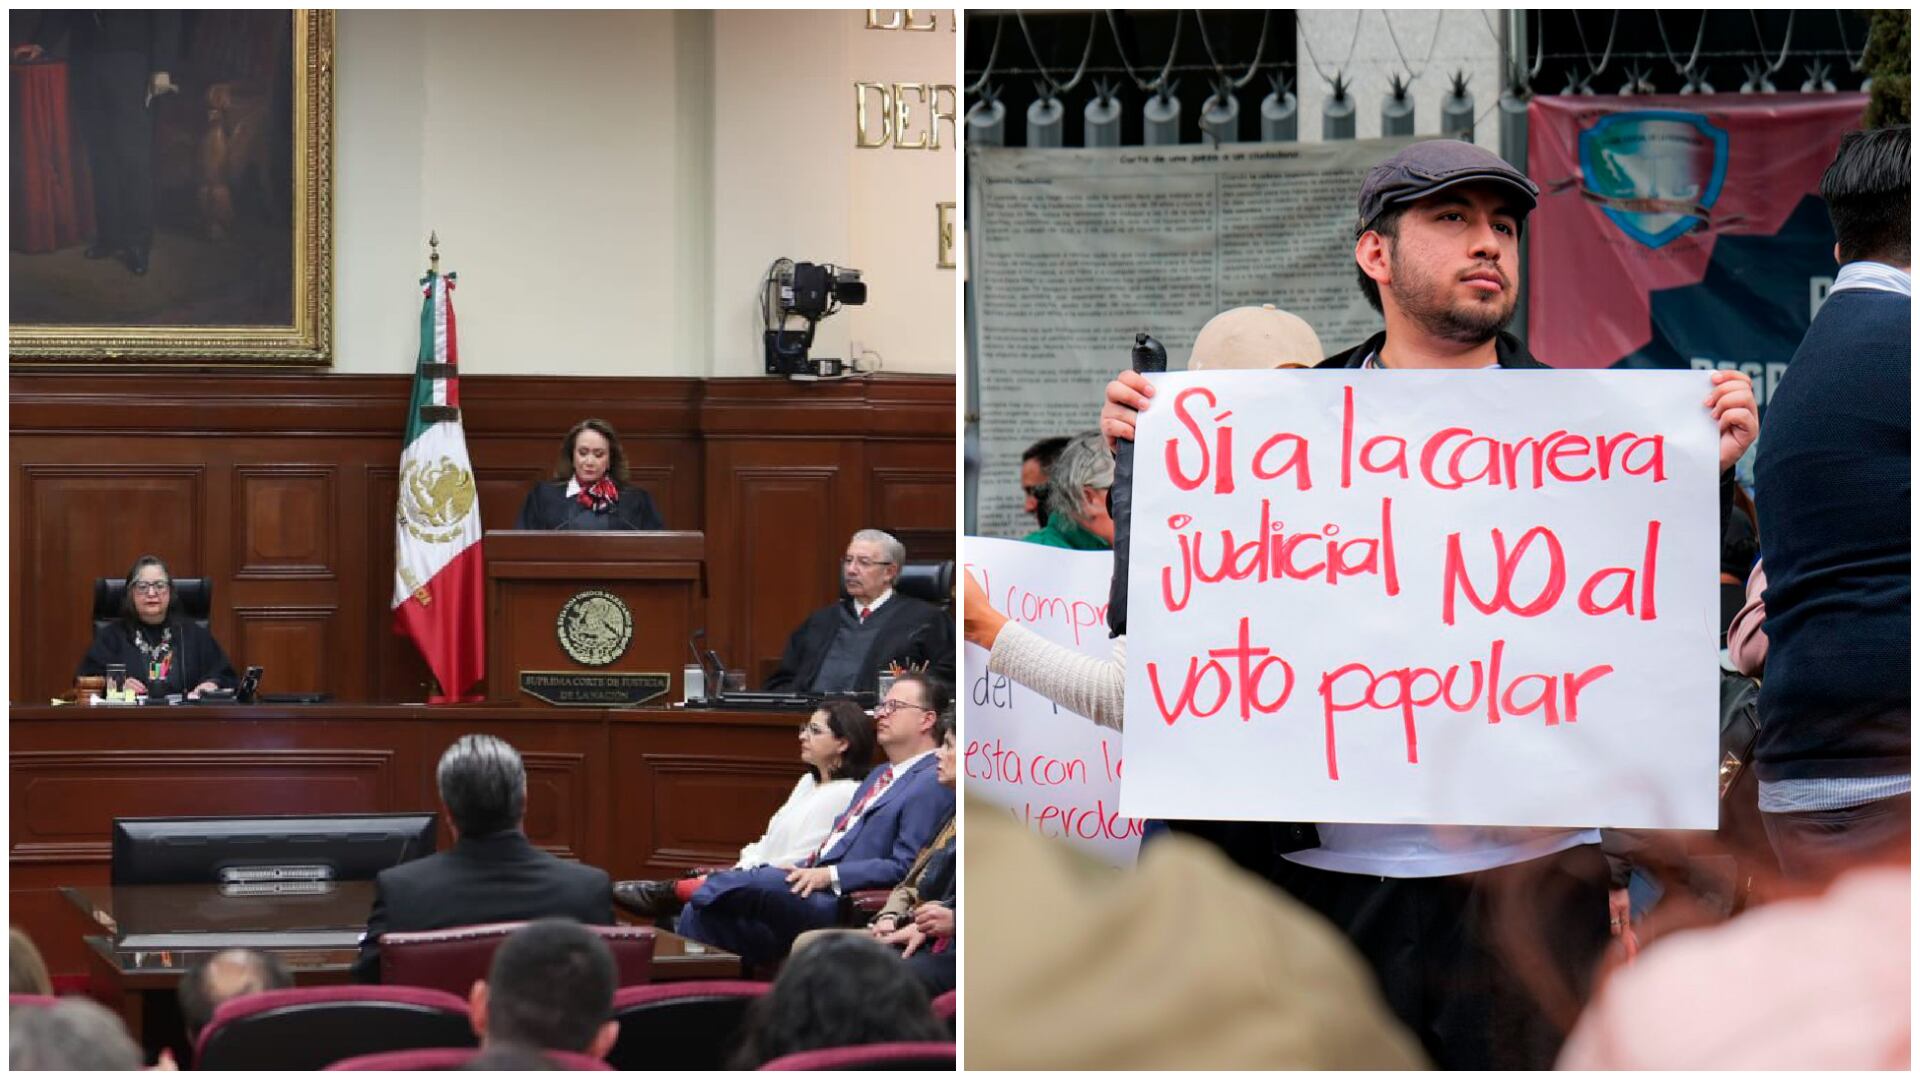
x=493, y=873
x=163, y=651
x=589, y=491
x=845, y=645
x=757, y=913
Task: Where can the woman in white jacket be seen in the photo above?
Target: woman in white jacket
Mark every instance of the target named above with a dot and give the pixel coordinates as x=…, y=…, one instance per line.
x=837, y=743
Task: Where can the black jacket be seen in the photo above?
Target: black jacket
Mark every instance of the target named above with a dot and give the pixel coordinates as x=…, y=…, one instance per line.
x=197, y=657
x=911, y=632
x=500, y=877
x=547, y=507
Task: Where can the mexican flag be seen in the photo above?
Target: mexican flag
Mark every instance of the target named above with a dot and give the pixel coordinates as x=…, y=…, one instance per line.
x=439, y=589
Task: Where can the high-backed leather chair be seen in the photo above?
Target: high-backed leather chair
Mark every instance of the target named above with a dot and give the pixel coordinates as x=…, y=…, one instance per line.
x=681, y=1025
x=311, y=1027
x=455, y=958
x=930, y=581
x=192, y=597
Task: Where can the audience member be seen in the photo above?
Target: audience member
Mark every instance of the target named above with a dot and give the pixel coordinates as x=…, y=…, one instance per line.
x=847, y=644
x=757, y=913
x=1834, y=474
x=1817, y=983
x=550, y=988
x=837, y=744
x=844, y=991
x=1036, y=464
x=1183, y=962
x=919, y=915
x=26, y=970
x=493, y=873
x=220, y=978
x=73, y=1033
x=1077, y=504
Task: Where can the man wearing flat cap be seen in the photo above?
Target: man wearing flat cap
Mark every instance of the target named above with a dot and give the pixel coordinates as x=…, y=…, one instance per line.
x=1473, y=932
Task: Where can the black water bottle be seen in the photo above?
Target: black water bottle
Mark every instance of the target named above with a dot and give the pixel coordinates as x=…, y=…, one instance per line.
x=1149, y=357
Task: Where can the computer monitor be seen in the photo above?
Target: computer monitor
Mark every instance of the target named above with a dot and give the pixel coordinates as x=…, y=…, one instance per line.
x=266, y=850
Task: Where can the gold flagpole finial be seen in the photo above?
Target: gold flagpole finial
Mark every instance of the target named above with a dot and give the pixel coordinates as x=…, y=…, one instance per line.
x=433, y=246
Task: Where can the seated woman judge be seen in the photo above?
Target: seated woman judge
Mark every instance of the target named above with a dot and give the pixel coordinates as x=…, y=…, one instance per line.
x=837, y=742
x=164, y=651
x=589, y=491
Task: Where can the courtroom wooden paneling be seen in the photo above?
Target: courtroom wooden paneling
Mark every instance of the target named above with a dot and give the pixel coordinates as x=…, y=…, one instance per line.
x=279, y=486
x=641, y=793
x=696, y=786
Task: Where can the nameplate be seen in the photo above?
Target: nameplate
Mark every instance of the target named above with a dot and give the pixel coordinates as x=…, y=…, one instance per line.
x=589, y=689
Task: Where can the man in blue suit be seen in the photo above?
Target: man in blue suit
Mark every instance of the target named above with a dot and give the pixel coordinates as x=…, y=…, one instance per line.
x=757, y=913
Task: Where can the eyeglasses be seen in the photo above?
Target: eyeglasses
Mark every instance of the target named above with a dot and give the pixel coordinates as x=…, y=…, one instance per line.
x=152, y=587
x=1038, y=491
x=812, y=729
x=864, y=563
x=890, y=706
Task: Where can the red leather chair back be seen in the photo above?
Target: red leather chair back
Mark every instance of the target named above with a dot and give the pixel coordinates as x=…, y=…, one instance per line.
x=455, y=958
x=682, y=1025
x=448, y=1058
x=309, y=1028
x=947, y=1008
x=900, y=1055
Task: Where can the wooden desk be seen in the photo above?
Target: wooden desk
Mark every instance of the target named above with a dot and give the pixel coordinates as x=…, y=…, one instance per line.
x=640, y=792
x=147, y=936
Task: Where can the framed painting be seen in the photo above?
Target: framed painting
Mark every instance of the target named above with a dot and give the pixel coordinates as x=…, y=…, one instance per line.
x=172, y=187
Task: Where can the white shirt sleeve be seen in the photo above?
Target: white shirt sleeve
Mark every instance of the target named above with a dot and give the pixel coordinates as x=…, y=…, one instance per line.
x=813, y=820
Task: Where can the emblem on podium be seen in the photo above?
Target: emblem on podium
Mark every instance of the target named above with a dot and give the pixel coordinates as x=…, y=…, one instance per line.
x=595, y=627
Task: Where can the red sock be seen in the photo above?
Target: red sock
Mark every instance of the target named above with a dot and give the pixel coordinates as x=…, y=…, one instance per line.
x=683, y=888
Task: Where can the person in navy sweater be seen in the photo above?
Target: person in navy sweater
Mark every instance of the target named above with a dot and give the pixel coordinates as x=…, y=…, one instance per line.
x=1833, y=475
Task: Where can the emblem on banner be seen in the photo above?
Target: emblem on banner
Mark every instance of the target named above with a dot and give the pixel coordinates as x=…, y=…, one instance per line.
x=435, y=497
x=595, y=627
x=1656, y=173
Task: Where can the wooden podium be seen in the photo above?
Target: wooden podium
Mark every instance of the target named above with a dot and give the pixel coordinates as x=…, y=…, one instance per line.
x=591, y=619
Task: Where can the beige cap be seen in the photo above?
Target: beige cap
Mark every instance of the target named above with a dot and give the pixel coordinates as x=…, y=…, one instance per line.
x=1255, y=337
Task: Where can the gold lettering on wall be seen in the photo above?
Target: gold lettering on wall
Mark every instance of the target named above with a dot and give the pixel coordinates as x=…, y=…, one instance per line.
x=901, y=19
x=943, y=256
x=861, y=92
x=899, y=121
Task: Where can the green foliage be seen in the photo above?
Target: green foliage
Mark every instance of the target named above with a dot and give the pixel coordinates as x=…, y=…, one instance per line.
x=1889, y=61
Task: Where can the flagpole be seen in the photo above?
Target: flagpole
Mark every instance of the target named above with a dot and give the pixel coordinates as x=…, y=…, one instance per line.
x=433, y=246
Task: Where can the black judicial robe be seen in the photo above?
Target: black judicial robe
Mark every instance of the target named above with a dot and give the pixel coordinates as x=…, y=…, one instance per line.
x=910, y=632
x=548, y=508
x=196, y=656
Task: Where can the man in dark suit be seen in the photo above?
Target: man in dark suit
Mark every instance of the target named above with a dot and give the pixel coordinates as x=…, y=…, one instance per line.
x=844, y=645
x=1834, y=757
x=492, y=873
x=897, y=810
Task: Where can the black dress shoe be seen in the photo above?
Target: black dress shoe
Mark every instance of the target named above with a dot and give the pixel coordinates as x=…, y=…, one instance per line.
x=137, y=261
x=648, y=899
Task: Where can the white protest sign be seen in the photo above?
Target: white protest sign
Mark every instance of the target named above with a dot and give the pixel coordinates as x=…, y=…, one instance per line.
x=1057, y=771
x=1466, y=598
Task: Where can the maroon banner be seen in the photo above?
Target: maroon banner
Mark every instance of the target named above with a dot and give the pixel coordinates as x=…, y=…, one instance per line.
x=1678, y=231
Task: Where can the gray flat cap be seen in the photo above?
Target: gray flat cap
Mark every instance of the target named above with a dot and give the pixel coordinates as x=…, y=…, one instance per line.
x=1433, y=165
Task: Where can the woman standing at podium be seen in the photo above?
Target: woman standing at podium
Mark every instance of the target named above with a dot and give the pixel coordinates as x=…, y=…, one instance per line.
x=589, y=491
x=163, y=651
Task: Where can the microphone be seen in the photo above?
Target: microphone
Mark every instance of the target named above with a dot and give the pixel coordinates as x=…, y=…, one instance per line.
x=1149, y=357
